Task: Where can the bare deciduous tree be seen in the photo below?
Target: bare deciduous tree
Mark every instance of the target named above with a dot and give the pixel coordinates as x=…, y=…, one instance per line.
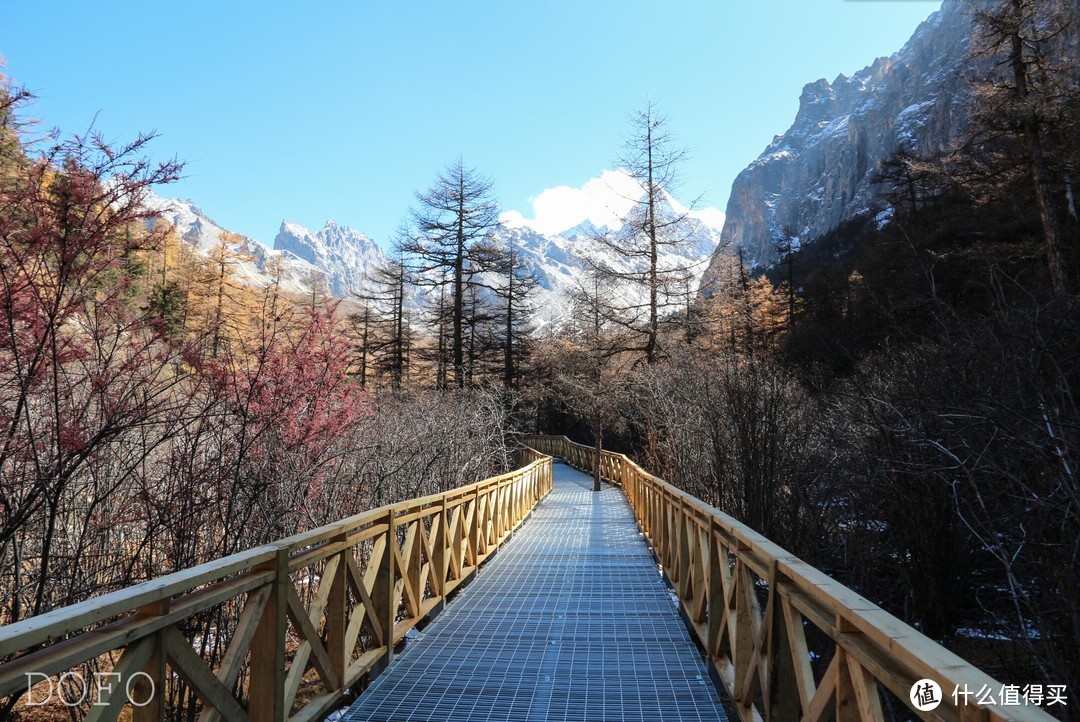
x=654, y=225
x=451, y=221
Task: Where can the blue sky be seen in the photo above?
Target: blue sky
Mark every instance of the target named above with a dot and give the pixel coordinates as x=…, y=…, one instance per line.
x=309, y=111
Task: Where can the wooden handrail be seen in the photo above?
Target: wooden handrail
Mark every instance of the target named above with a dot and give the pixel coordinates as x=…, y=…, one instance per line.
x=370, y=578
x=722, y=571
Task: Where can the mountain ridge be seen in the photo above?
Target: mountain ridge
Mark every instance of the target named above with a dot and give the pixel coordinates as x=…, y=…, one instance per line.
x=345, y=257
x=820, y=172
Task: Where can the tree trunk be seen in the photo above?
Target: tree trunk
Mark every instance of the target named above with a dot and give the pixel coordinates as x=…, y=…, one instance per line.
x=654, y=283
x=508, y=349
x=1040, y=175
x=1048, y=216
x=459, y=289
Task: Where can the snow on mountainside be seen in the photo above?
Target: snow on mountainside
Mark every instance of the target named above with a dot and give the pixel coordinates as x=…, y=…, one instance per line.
x=338, y=253
x=557, y=259
x=198, y=229
x=553, y=245
x=343, y=255
x=820, y=172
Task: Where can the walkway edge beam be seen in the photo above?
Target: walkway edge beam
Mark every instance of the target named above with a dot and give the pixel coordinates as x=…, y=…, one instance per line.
x=345, y=593
x=750, y=602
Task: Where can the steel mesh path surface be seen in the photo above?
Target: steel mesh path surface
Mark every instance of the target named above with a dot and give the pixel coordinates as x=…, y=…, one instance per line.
x=570, y=621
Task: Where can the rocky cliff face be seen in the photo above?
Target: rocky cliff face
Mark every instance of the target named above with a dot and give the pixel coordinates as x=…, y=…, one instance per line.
x=819, y=173
x=342, y=255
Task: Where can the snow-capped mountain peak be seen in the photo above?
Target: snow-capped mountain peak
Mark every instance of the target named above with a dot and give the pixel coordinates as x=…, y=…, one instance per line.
x=343, y=255
x=204, y=234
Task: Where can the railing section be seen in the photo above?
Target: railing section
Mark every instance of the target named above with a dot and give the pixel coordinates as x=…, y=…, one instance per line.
x=320, y=609
x=753, y=605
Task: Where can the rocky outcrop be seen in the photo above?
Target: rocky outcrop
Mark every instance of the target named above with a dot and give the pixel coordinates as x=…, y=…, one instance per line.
x=344, y=256
x=820, y=172
x=252, y=257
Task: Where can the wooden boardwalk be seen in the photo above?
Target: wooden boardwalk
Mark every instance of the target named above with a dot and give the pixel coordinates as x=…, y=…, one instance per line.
x=570, y=621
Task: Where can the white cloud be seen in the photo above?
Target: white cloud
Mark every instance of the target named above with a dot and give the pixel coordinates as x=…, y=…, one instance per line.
x=712, y=217
x=513, y=219
x=604, y=201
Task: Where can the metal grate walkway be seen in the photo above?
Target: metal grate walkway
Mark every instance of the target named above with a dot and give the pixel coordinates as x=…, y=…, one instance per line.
x=570, y=621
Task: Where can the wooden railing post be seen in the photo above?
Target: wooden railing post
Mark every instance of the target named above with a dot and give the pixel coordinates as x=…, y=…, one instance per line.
x=497, y=515
x=522, y=490
x=382, y=595
x=682, y=563
x=266, y=691
x=337, y=612
x=474, y=531
x=516, y=487
x=440, y=551
x=847, y=708
x=716, y=609
x=782, y=704
x=152, y=686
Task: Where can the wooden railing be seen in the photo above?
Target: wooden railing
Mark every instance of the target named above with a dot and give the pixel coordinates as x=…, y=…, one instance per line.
x=322, y=609
x=753, y=604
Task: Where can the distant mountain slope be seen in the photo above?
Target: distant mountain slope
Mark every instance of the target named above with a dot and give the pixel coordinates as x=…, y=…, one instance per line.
x=345, y=257
x=202, y=232
x=819, y=173
x=558, y=261
x=338, y=253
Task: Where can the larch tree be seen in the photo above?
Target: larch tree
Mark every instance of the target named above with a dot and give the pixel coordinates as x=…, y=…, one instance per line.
x=452, y=219
x=217, y=297
x=385, y=295
x=786, y=249
x=654, y=230
x=167, y=298
x=11, y=98
x=319, y=293
x=514, y=292
x=361, y=333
